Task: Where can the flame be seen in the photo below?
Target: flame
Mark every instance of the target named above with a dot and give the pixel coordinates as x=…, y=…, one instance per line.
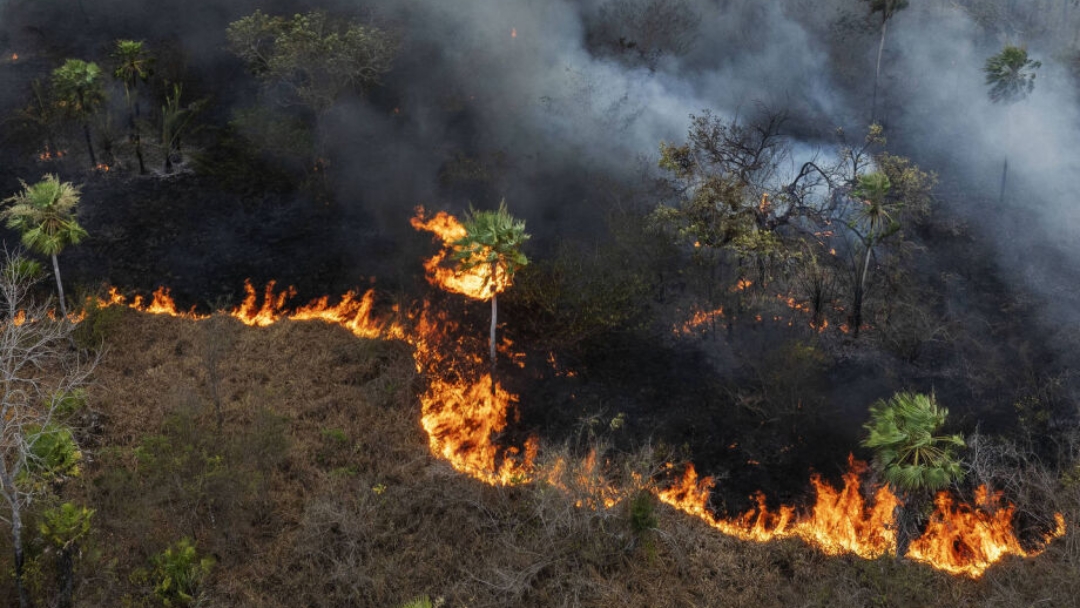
x=962, y=539
x=48, y=154
x=513, y=32
x=14, y=57
x=474, y=283
x=102, y=167
x=840, y=521
x=464, y=413
x=699, y=319
x=959, y=539
x=742, y=285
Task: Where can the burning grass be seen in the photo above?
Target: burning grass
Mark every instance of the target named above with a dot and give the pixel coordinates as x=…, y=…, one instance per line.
x=322, y=489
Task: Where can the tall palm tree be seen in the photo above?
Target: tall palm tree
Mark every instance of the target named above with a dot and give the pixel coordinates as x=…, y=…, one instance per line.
x=492, y=238
x=873, y=224
x=80, y=92
x=133, y=64
x=1011, y=77
x=913, y=459
x=44, y=214
x=887, y=8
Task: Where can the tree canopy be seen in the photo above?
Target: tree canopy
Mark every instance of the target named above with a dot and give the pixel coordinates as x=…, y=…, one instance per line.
x=313, y=58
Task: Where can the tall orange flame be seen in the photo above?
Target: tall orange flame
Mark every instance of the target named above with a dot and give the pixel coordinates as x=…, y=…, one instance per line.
x=959, y=539
x=474, y=283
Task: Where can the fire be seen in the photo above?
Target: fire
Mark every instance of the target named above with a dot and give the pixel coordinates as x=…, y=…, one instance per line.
x=475, y=283
x=102, y=167
x=742, y=285
x=959, y=539
x=513, y=32
x=699, y=319
x=840, y=521
x=48, y=155
x=464, y=413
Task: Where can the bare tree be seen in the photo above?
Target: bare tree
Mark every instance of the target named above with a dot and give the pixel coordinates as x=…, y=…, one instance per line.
x=38, y=371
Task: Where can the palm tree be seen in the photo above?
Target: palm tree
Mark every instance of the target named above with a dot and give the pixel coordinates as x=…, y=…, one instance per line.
x=45, y=216
x=133, y=64
x=914, y=461
x=887, y=8
x=80, y=92
x=1011, y=77
x=492, y=238
x=873, y=224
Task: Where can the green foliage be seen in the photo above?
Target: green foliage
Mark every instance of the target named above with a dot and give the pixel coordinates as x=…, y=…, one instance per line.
x=908, y=184
x=53, y=454
x=901, y=431
x=178, y=574
x=98, y=323
x=22, y=270
x=44, y=214
x=314, y=58
x=643, y=517
x=177, y=120
x=1010, y=75
x=79, y=88
x=133, y=63
x=65, y=525
x=68, y=403
x=492, y=238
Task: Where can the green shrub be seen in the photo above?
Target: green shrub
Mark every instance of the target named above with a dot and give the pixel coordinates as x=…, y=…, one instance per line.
x=98, y=323
x=178, y=574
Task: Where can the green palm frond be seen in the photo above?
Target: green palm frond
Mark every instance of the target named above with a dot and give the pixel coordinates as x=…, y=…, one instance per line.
x=911, y=456
x=44, y=214
x=492, y=237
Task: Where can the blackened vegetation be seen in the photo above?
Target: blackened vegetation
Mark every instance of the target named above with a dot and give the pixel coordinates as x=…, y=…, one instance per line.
x=708, y=282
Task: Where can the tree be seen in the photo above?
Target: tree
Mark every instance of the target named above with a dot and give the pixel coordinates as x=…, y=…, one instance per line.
x=80, y=92
x=133, y=64
x=492, y=239
x=874, y=223
x=913, y=459
x=1011, y=77
x=312, y=60
x=176, y=121
x=887, y=8
x=63, y=527
x=38, y=371
x=45, y=216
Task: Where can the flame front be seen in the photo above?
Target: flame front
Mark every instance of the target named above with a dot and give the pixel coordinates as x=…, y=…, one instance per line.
x=959, y=539
x=464, y=414
x=475, y=283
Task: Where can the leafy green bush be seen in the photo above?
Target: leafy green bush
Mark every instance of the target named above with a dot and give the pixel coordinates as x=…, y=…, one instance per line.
x=53, y=454
x=179, y=573
x=98, y=323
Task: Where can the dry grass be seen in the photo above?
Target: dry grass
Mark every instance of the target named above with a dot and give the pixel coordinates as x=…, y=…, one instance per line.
x=319, y=491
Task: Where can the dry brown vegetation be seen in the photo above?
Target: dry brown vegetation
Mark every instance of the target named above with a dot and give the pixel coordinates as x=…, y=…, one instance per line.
x=319, y=490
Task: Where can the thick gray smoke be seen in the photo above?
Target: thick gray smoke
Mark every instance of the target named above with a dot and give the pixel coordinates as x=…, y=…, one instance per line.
x=549, y=103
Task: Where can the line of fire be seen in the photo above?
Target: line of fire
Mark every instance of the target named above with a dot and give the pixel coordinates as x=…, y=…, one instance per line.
x=464, y=414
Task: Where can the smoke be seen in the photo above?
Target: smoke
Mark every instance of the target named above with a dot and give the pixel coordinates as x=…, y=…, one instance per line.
x=548, y=103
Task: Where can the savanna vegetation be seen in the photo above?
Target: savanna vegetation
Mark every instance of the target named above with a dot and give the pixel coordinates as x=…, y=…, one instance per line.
x=760, y=294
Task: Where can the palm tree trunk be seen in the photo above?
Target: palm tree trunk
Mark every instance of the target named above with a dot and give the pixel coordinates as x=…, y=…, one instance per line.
x=494, y=322
x=89, y=144
x=59, y=285
x=1004, y=177
x=860, y=291
x=877, y=70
